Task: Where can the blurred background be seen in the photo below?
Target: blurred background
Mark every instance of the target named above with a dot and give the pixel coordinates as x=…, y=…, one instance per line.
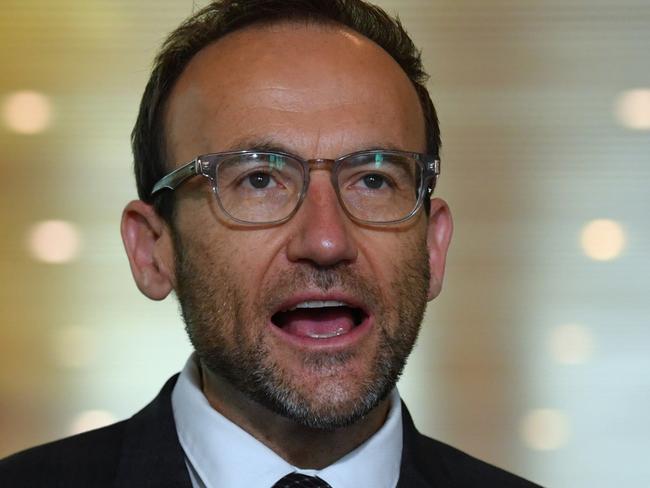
x=536, y=357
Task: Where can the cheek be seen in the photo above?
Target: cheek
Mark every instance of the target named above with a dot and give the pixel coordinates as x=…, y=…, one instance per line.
x=252, y=256
x=245, y=252
x=389, y=255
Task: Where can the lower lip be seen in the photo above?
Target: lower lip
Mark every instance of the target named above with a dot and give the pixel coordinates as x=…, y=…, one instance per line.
x=330, y=343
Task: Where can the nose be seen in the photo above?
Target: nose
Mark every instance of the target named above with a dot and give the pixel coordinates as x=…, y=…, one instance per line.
x=323, y=232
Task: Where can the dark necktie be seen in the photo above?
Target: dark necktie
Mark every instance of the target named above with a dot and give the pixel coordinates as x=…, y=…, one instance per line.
x=296, y=480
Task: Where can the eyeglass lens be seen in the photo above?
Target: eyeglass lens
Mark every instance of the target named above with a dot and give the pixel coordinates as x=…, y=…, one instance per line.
x=266, y=187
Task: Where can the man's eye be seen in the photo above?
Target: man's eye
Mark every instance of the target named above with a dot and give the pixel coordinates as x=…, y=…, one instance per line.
x=260, y=180
x=374, y=181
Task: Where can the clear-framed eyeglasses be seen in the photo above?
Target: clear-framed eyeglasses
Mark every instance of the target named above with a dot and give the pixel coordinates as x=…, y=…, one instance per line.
x=374, y=187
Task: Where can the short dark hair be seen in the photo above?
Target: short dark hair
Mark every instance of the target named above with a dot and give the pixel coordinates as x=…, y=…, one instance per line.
x=221, y=17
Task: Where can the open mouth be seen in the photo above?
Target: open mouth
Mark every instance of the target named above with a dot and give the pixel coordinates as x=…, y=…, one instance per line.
x=319, y=319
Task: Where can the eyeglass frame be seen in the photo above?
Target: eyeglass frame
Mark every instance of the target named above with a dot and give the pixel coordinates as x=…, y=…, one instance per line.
x=430, y=166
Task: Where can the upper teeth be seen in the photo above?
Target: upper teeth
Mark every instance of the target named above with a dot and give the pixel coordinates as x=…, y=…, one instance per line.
x=318, y=304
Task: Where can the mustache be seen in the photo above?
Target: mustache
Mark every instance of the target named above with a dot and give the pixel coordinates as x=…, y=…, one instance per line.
x=342, y=278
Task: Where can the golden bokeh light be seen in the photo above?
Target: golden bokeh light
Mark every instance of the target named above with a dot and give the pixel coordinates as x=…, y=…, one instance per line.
x=545, y=429
x=27, y=112
x=603, y=239
x=54, y=241
x=633, y=109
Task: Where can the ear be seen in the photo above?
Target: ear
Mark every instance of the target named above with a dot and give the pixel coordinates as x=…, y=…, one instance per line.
x=439, y=230
x=149, y=247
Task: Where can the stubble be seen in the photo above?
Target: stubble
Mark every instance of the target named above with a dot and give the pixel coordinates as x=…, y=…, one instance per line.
x=227, y=330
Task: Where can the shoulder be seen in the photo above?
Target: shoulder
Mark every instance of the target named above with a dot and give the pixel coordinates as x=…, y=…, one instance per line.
x=141, y=451
x=88, y=459
x=438, y=464
x=461, y=468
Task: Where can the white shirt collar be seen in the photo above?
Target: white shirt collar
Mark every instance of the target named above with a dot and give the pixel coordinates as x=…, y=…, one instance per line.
x=219, y=453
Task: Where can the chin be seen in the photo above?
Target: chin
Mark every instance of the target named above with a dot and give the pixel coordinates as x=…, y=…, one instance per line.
x=338, y=398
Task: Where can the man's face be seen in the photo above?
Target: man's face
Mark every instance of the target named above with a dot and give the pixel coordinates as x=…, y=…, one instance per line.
x=317, y=92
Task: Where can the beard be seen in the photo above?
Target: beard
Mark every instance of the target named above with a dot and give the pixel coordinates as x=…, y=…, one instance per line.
x=227, y=326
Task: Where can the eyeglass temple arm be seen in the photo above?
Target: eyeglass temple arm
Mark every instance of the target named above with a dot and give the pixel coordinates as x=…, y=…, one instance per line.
x=432, y=171
x=178, y=176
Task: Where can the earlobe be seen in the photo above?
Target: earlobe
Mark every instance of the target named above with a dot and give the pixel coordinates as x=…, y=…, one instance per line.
x=439, y=231
x=148, y=245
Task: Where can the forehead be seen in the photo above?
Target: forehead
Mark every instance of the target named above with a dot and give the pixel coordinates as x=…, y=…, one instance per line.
x=315, y=88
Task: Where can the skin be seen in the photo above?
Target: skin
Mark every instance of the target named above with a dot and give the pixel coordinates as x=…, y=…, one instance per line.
x=320, y=92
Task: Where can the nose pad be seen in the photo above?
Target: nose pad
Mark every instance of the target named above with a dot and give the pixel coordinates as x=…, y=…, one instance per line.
x=324, y=232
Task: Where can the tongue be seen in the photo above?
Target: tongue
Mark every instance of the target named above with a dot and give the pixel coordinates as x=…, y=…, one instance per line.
x=318, y=323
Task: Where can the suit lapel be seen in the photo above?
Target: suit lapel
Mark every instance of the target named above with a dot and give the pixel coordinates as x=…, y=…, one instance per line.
x=421, y=467
x=411, y=478
x=151, y=453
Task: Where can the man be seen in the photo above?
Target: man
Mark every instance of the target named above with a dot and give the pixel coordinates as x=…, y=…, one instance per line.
x=285, y=156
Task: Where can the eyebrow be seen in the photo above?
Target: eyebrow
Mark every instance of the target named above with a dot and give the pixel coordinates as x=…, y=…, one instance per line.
x=270, y=145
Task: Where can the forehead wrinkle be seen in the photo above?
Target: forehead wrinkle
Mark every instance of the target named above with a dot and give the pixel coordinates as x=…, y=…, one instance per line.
x=296, y=99
x=283, y=125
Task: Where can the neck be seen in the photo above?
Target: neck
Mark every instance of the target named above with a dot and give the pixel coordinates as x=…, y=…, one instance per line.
x=301, y=446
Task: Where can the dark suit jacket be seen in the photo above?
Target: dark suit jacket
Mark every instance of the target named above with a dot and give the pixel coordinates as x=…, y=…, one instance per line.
x=144, y=451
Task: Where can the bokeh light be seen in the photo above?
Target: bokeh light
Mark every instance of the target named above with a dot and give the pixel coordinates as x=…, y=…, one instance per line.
x=545, y=429
x=27, y=112
x=633, y=109
x=91, y=419
x=54, y=241
x=603, y=239
x=571, y=344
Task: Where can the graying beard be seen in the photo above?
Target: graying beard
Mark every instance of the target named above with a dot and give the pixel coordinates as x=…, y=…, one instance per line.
x=262, y=381
x=278, y=396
